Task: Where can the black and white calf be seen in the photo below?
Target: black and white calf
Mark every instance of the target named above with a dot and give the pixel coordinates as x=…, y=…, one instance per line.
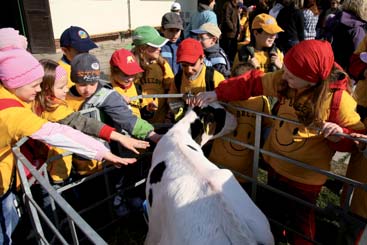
x=191, y=200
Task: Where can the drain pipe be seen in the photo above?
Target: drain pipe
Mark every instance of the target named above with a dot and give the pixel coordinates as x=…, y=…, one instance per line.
x=21, y=18
x=129, y=14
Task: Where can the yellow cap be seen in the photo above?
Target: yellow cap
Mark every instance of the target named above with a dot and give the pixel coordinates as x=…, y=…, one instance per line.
x=266, y=22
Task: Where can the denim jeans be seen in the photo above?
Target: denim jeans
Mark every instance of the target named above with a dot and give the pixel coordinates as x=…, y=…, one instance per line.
x=9, y=218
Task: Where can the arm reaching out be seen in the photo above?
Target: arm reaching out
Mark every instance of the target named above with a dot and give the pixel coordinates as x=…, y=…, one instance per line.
x=118, y=161
x=128, y=142
x=202, y=98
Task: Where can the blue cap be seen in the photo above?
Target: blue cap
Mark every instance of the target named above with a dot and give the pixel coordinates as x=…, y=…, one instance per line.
x=78, y=38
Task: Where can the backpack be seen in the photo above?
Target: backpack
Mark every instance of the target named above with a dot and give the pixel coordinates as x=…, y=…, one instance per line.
x=209, y=81
x=337, y=88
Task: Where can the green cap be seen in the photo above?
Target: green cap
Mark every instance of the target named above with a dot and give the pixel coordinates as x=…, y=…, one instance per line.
x=148, y=35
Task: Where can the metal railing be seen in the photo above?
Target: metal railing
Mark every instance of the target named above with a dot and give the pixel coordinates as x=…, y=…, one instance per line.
x=74, y=218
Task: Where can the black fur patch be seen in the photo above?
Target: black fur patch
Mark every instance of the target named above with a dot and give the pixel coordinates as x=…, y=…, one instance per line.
x=157, y=173
x=150, y=197
x=220, y=119
x=191, y=147
x=197, y=129
x=207, y=115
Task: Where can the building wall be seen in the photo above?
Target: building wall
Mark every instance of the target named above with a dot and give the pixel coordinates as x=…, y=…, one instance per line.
x=107, y=16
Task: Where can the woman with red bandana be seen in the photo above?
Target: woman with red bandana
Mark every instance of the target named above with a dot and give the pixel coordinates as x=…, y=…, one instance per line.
x=305, y=88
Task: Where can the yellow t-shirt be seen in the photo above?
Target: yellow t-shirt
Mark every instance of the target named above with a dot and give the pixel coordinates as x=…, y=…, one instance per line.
x=157, y=80
x=231, y=155
x=74, y=102
x=198, y=85
x=59, y=169
x=302, y=143
x=130, y=92
x=263, y=58
x=15, y=123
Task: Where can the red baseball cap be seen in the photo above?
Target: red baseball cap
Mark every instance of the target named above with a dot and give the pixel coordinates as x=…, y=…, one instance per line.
x=126, y=62
x=189, y=51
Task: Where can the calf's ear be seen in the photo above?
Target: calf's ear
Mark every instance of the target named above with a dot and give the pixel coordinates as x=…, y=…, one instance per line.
x=213, y=120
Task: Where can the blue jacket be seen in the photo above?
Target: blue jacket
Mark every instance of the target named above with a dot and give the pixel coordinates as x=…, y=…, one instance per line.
x=169, y=52
x=218, y=59
x=204, y=15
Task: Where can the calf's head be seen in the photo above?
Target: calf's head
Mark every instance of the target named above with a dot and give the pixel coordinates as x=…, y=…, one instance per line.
x=210, y=122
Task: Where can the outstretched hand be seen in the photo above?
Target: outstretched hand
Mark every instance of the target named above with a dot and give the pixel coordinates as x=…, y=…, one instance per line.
x=360, y=144
x=329, y=129
x=202, y=98
x=118, y=161
x=129, y=143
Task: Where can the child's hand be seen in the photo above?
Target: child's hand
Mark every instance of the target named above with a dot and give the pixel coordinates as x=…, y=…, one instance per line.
x=329, y=128
x=361, y=145
x=118, y=161
x=253, y=61
x=128, y=142
x=274, y=59
x=202, y=98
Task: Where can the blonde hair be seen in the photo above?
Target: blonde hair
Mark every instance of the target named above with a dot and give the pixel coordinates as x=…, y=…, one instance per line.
x=143, y=62
x=357, y=7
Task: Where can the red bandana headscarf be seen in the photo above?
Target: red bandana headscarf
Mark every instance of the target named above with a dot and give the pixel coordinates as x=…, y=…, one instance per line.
x=310, y=60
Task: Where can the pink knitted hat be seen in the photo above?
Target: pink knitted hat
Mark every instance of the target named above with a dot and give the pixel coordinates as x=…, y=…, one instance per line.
x=10, y=38
x=18, y=68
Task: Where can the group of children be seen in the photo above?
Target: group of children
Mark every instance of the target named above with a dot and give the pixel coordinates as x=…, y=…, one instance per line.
x=51, y=98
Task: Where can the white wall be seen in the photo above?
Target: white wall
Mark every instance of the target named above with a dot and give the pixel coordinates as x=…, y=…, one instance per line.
x=105, y=16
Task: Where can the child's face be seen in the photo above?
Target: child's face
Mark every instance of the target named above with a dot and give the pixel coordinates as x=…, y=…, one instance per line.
x=70, y=52
x=294, y=81
x=60, y=88
x=191, y=70
x=264, y=39
x=28, y=92
x=152, y=53
x=207, y=40
x=173, y=34
x=86, y=90
x=123, y=79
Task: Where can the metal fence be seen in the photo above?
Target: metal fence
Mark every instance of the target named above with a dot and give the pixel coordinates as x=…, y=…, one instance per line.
x=39, y=219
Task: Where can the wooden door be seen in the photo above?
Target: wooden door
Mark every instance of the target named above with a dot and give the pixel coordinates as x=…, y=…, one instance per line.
x=39, y=26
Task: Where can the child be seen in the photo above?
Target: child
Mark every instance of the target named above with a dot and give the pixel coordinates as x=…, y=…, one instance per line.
x=195, y=76
x=171, y=27
x=208, y=35
x=90, y=92
x=21, y=75
x=357, y=164
x=262, y=52
x=50, y=104
x=231, y=155
x=125, y=72
x=157, y=76
x=74, y=40
x=305, y=88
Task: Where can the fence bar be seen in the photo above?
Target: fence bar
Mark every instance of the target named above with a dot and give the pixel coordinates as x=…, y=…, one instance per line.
x=85, y=228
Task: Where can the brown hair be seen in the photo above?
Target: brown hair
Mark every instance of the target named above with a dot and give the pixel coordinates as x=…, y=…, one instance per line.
x=308, y=104
x=143, y=62
x=45, y=100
